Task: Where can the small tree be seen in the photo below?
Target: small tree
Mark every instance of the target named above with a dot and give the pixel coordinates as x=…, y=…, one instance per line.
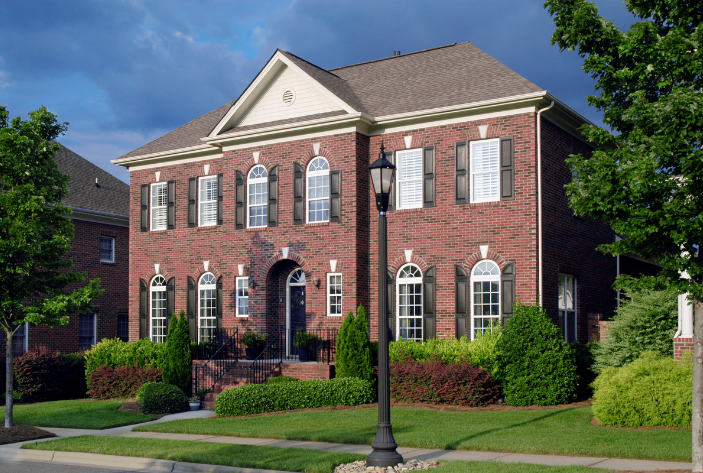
x=178, y=364
x=37, y=284
x=341, y=364
x=361, y=359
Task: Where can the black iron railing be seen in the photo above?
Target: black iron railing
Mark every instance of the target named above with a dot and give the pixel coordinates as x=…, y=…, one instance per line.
x=221, y=361
x=269, y=360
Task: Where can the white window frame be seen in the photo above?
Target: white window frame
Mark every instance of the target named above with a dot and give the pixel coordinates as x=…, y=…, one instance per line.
x=207, y=205
x=406, y=281
x=159, y=212
x=563, y=305
x=482, y=278
x=253, y=181
x=25, y=338
x=243, y=284
x=405, y=177
x=111, y=259
x=95, y=329
x=158, y=287
x=325, y=189
x=492, y=173
x=336, y=296
x=207, y=282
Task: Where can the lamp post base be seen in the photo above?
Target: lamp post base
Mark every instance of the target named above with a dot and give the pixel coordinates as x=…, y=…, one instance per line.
x=384, y=449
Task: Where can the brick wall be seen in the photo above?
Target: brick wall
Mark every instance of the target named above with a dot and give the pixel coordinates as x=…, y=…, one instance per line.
x=682, y=346
x=598, y=327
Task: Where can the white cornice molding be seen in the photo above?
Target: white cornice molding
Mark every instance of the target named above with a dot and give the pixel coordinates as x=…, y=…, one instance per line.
x=97, y=216
x=165, y=158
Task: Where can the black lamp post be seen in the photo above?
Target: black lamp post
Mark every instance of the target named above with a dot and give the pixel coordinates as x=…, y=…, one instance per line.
x=384, y=452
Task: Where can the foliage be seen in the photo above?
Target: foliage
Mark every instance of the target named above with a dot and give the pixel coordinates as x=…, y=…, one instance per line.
x=437, y=382
x=201, y=393
x=254, y=340
x=162, y=398
x=305, y=341
x=260, y=398
x=583, y=356
x=113, y=352
x=140, y=392
x=535, y=365
x=177, y=366
x=353, y=354
x=644, y=322
x=43, y=375
x=37, y=284
x=342, y=350
x=281, y=379
x=651, y=391
x=120, y=382
x=77, y=414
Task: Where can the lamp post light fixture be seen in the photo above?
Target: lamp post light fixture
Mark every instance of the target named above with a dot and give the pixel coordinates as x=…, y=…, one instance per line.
x=384, y=452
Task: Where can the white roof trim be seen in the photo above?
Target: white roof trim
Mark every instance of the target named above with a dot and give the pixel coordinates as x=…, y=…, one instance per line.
x=127, y=162
x=100, y=217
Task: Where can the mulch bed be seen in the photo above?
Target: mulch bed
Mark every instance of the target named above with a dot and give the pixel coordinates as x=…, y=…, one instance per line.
x=22, y=433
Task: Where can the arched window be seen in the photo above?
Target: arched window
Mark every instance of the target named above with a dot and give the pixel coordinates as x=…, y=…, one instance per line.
x=159, y=323
x=318, y=190
x=409, y=294
x=207, y=307
x=258, y=197
x=485, y=297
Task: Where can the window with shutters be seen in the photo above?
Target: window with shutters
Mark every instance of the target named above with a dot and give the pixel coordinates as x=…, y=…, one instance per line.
x=159, y=206
x=485, y=297
x=107, y=249
x=567, y=306
x=123, y=327
x=409, y=303
x=19, y=340
x=318, y=190
x=207, y=202
x=409, y=179
x=243, y=297
x=86, y=331
x=334, y=294
x=159, y=324
x=257, y=210
x=485, y=171
x=207, y=307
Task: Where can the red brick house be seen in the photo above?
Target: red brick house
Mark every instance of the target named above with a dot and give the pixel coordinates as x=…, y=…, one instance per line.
x=260, y=215
x=100, y=248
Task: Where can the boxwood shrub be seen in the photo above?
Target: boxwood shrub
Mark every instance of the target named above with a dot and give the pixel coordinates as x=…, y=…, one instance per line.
x=140, y=392
x=260, y=398
x=281, y=379
x=161, y=398
x=652, y=391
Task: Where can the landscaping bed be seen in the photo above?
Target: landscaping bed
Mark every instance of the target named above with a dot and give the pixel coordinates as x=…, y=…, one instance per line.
x=22, y=433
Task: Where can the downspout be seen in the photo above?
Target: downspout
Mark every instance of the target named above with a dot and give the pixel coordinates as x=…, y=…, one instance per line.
x=539, y=198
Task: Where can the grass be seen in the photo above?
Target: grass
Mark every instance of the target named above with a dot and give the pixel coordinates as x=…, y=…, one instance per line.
x=553, y=431
x=496, y=467
x=76, y=414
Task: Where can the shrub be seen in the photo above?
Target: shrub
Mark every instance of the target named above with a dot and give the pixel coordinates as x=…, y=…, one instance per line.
x=260, y=398
x=254, y=340
x=342, y=352
x=652, y=391
x=121, y=382
x=162, y=398
x=178, y=362
x=646, y=321
x=281, y=379
x=42, y=375
x=115, y=353
x=438, y=382
x=583, y=355
x=305, y=341
x=140, y=392
x=354, y=345
x=535, y=365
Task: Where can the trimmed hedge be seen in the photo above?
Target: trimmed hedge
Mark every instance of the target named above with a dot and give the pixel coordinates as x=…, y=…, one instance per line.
x=140, y=392
x=161, y=398
x=115, y=353
x=281, y=379
x=42, y=375
x=652, y=391
x=122, y=382
x=437, y=382
x=260, y=398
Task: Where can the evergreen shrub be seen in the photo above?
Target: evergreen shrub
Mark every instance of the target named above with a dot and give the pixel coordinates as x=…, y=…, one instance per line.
x=42, y=375
x=535, y=365
x=281, y=379
x=253, y=340
x=115, y=353
x=162, y=398
x=140, y=392
x=353, y=353
x=260, y=398
x=305, y=340
x=121, y=382
x=652, y=391
x=177, y=365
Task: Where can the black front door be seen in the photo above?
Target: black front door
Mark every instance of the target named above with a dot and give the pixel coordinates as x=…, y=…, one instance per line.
x=297, y=315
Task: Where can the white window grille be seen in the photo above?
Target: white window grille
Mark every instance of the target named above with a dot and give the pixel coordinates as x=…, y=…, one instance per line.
x=258, y=197
x=485, y=162
x=107, y=249
x=159, y=324
x=243, y=297
x=485, y=297
x=318, y=190
x=409, y=178
x=207, y=314
x=334, y=294
x=159, y=206
x=86, y=331
x=567, y=306
x=208, y=201
x=19, y=340
x=409, y=295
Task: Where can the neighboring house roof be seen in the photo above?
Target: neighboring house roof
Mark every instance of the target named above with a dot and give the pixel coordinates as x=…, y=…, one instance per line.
x=109, y=196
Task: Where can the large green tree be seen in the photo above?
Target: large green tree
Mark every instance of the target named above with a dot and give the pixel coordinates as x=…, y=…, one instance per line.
x=36, y=281
x=645, y=177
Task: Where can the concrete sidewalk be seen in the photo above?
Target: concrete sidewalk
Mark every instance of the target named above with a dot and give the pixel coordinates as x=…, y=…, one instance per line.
x=12, y=452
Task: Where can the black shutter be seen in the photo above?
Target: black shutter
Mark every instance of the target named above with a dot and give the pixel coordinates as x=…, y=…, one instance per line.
x=218, y=306
x=192, y=201
x=390, y=156
x=390, y=306
x=463, y=310
x=273, y=197
x=507, y=177
x=507, y=291
x=220, y=197
x=170, y=298
x=298, y=198
x=239, y=200
x=192, y=307
x=143, y=309
x=461, y=175
x=144, y=212
x=335, y=196
x=429, y=303
x=428, y=184
x=171, y=205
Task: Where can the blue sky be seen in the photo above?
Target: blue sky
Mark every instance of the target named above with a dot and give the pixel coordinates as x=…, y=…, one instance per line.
x=124, y=72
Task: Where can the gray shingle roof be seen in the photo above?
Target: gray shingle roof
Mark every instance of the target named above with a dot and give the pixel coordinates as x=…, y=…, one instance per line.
x=111, y=196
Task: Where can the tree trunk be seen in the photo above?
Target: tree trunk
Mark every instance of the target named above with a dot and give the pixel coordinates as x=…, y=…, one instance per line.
x=9, y=380
x=697, y=406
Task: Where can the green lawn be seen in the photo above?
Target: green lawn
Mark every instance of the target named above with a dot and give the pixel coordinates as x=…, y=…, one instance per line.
x=76, y=414
x=274, y=458
x=553, y=431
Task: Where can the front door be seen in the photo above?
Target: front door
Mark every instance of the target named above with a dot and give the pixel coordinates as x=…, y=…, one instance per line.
x=296, y=308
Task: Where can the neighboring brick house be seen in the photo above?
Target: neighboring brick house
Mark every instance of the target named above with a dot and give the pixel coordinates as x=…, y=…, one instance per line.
x=260, y=214
x=100, y=248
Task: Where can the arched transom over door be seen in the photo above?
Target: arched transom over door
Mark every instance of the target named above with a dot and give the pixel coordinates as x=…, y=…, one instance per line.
x=295, y=313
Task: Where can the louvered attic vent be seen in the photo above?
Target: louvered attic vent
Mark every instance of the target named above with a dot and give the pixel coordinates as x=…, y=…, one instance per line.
x=288, y=97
